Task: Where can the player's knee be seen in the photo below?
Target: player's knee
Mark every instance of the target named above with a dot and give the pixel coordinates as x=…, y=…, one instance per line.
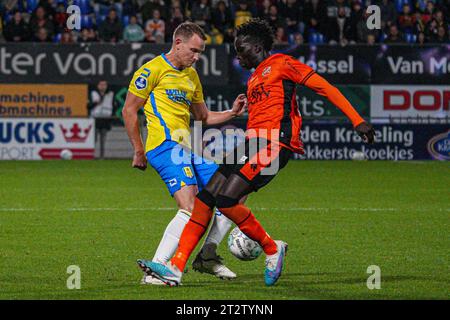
x=224, y=202
x=207, y=198
x=186, y=204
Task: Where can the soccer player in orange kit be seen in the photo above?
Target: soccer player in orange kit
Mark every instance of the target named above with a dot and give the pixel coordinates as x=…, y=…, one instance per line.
x=273, y=135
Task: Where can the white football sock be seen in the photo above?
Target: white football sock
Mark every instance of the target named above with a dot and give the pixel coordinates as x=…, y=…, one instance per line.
x=171, y=237
x=219, y=229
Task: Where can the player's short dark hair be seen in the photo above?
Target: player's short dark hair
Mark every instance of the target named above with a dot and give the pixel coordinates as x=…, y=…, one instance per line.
x=188, y=29
x=258, y=31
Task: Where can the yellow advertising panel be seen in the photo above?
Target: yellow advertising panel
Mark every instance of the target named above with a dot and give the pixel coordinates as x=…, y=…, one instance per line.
x=43, y=100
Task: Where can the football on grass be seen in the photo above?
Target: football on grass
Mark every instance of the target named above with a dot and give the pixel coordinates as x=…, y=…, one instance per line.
x=242, y=247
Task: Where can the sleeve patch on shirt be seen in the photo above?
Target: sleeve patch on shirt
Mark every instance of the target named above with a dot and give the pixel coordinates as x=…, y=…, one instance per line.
x=140, y=83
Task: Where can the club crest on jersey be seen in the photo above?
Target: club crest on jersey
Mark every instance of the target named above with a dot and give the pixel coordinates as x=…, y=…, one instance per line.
x=140, y=83
x=266, y=71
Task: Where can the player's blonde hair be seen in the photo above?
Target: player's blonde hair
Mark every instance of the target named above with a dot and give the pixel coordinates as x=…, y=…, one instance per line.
x=187, y=29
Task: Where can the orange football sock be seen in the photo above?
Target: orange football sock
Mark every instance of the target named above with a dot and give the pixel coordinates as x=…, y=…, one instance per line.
x=192, y=233
x=246, y=221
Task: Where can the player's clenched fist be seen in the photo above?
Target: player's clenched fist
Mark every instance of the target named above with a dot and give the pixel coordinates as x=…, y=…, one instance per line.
x=139, y=160
x=366, y=132
x=240, y=105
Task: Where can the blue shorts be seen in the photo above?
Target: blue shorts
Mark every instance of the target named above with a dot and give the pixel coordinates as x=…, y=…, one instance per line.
x=178, y=167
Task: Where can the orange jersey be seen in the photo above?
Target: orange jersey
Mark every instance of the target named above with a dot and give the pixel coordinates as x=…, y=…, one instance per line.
x=272, y=103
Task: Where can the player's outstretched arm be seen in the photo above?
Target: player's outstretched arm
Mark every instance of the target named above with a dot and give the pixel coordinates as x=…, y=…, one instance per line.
x=201, y=112
x=323, y=87
x=130, y=118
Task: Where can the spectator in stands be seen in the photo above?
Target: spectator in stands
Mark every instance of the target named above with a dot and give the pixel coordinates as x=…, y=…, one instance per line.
x=334, y=6
x=421, y=39
x=442, y=36
x=356, y=18
x=67, y=37
x=87, y=35
x=419, y=25
x=440, y=19
x=264, y=8
x=291, y=11
x=111, y=29
x=274, y=19
x=298, y=39
x=339, y=30
x=429, y=12
x=148, y=8
x=101, y=107
x=101, y=101
x=176, y=18
x=40, y=20
x=406, y=21
x=49, y=7
x=242, y=14
x=9, y=5
x=16, y=29
x=431, y=30
x=362, y=31
x=280, y=36
x=60, y=18
x=388, y=13
x=155, y=28
x=221, y=17
x=371, y=39
x=133, y=31
x=394, y=35
x=42, y=35
x=315, y=15
x=214, y=36
x=201, y=14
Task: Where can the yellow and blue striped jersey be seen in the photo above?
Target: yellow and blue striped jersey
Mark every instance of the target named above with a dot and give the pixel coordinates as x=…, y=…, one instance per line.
x=169, y=93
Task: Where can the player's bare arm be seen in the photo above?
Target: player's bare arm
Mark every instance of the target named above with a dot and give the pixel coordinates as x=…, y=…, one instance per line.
x=201, y=112
x=324, y=88
x=130, y=118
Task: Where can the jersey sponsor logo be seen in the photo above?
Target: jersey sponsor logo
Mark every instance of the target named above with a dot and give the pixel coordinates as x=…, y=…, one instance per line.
x=178, y=96
x=140, y=83
x=188, y=172
x=258, y=93
x=266, y=71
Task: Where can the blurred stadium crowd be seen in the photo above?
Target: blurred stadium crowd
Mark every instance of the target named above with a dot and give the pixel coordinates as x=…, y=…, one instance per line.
x=294, y=21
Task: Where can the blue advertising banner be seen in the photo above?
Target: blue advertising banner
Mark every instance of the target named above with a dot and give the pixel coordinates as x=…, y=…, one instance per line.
x=396, y=142
x=392, y=142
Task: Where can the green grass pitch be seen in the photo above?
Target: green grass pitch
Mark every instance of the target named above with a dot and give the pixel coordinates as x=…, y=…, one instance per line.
x=338, y=217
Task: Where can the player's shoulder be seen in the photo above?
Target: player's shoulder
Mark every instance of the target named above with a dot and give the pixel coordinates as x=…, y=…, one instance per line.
x=153, y=65
x=283, y=58
x=191, y=70
x=192, y=73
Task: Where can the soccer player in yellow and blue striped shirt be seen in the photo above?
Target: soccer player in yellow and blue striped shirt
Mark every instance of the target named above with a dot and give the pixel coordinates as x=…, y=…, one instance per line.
x=170, y=90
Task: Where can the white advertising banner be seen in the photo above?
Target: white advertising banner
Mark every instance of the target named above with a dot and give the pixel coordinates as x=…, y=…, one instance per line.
x=410, y=101
x=45, y=138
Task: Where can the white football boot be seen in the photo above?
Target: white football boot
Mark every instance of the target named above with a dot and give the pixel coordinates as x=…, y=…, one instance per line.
x=207, y=261
x=149, y=279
